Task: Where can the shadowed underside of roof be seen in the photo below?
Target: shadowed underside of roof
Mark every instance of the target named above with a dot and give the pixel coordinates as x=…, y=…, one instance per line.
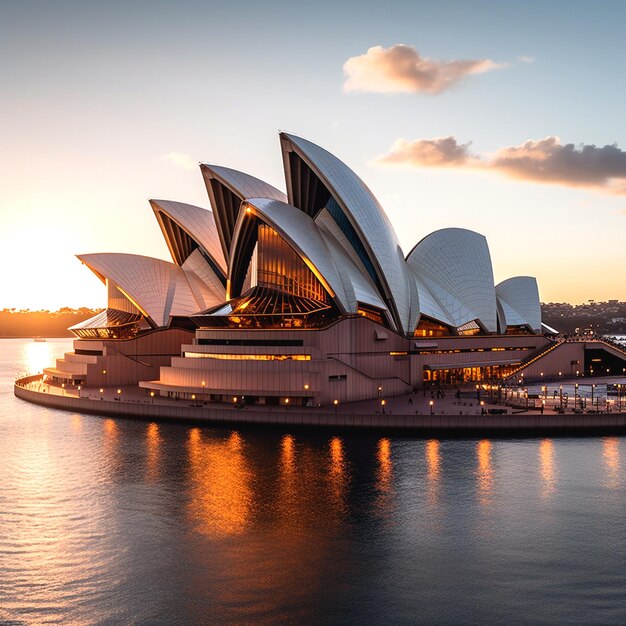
x=227, y=189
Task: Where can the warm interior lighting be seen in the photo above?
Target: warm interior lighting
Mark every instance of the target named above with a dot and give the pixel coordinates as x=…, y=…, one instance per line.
x=247, y=357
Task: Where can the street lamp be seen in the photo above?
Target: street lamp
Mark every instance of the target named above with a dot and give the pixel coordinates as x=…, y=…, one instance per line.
x=431, y=406
x=382, y=404
x=482, y=407
x=335, y=403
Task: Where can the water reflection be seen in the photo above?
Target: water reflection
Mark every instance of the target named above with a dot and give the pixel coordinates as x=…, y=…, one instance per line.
x=153, y=445
x=433, y=464
x=220, y=491
x=484, y=473
x=546, y=466
x=287, y=488
x=37, y=356
x=384, y=477
x=77, y=423
x=338, y=473
x=610, y=452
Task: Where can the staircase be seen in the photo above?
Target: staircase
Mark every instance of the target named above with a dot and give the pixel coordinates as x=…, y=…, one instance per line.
x=536, y=357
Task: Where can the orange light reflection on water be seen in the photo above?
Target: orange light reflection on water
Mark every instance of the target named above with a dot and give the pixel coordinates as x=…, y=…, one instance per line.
x=338, y=473
x=77, y=423
x=153, y=443
x=484, y=473
x=610, y=452
x=220, y=493
x=546, y=462
x=384, y=477
x=433, y=465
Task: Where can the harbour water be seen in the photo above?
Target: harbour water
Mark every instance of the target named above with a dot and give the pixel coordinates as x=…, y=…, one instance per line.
x=106, y=521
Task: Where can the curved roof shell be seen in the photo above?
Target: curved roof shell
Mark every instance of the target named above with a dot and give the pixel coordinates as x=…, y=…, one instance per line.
x=227, y=189
x=455, y=266
x=159, y=289
x=196, y=223
x=301, y=233
x=358, y=212
x=518, y=298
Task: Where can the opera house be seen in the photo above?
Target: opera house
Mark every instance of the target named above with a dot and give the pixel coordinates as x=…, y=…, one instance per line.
x=303, y=297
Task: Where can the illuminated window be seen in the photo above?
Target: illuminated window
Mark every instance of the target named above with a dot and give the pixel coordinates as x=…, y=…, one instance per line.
x=371, y=314
x=248, y=357
x=430, y=328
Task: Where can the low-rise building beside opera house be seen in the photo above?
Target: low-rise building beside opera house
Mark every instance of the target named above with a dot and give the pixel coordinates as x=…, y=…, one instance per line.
x=303, y=297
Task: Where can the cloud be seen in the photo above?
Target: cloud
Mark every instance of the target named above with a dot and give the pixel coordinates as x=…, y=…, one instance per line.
x=550, y=161
x=178, y=159
x=437, y=152
x=543, y=161
x=526, y=59
x=400, y=69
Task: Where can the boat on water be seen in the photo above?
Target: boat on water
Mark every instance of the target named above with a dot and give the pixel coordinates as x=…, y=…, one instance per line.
x=39, y=339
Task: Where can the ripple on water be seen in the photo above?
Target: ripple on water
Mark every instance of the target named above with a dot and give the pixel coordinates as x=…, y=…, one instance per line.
x=113, y=521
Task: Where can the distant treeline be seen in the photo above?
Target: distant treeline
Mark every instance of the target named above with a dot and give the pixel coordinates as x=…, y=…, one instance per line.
x=606, y=318
x=14, y=323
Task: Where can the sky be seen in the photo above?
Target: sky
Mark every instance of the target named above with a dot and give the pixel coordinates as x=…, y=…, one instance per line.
x=502, y=117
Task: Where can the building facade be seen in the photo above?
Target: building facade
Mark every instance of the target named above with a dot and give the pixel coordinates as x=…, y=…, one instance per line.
x=302, y=297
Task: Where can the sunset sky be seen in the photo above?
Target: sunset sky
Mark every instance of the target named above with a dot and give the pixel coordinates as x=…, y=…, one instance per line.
x=504, y=118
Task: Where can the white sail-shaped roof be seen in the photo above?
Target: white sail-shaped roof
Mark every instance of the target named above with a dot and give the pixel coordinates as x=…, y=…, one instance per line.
x=358, y=285
x=518, y=298
x=301, y=233
x=157, y=288
x=227, y=189
x=197, y=223
x=428, y=303
x=455, y=265
x=361, y=213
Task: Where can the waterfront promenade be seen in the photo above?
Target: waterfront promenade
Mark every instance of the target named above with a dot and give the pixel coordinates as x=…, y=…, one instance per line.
x=408, y=413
